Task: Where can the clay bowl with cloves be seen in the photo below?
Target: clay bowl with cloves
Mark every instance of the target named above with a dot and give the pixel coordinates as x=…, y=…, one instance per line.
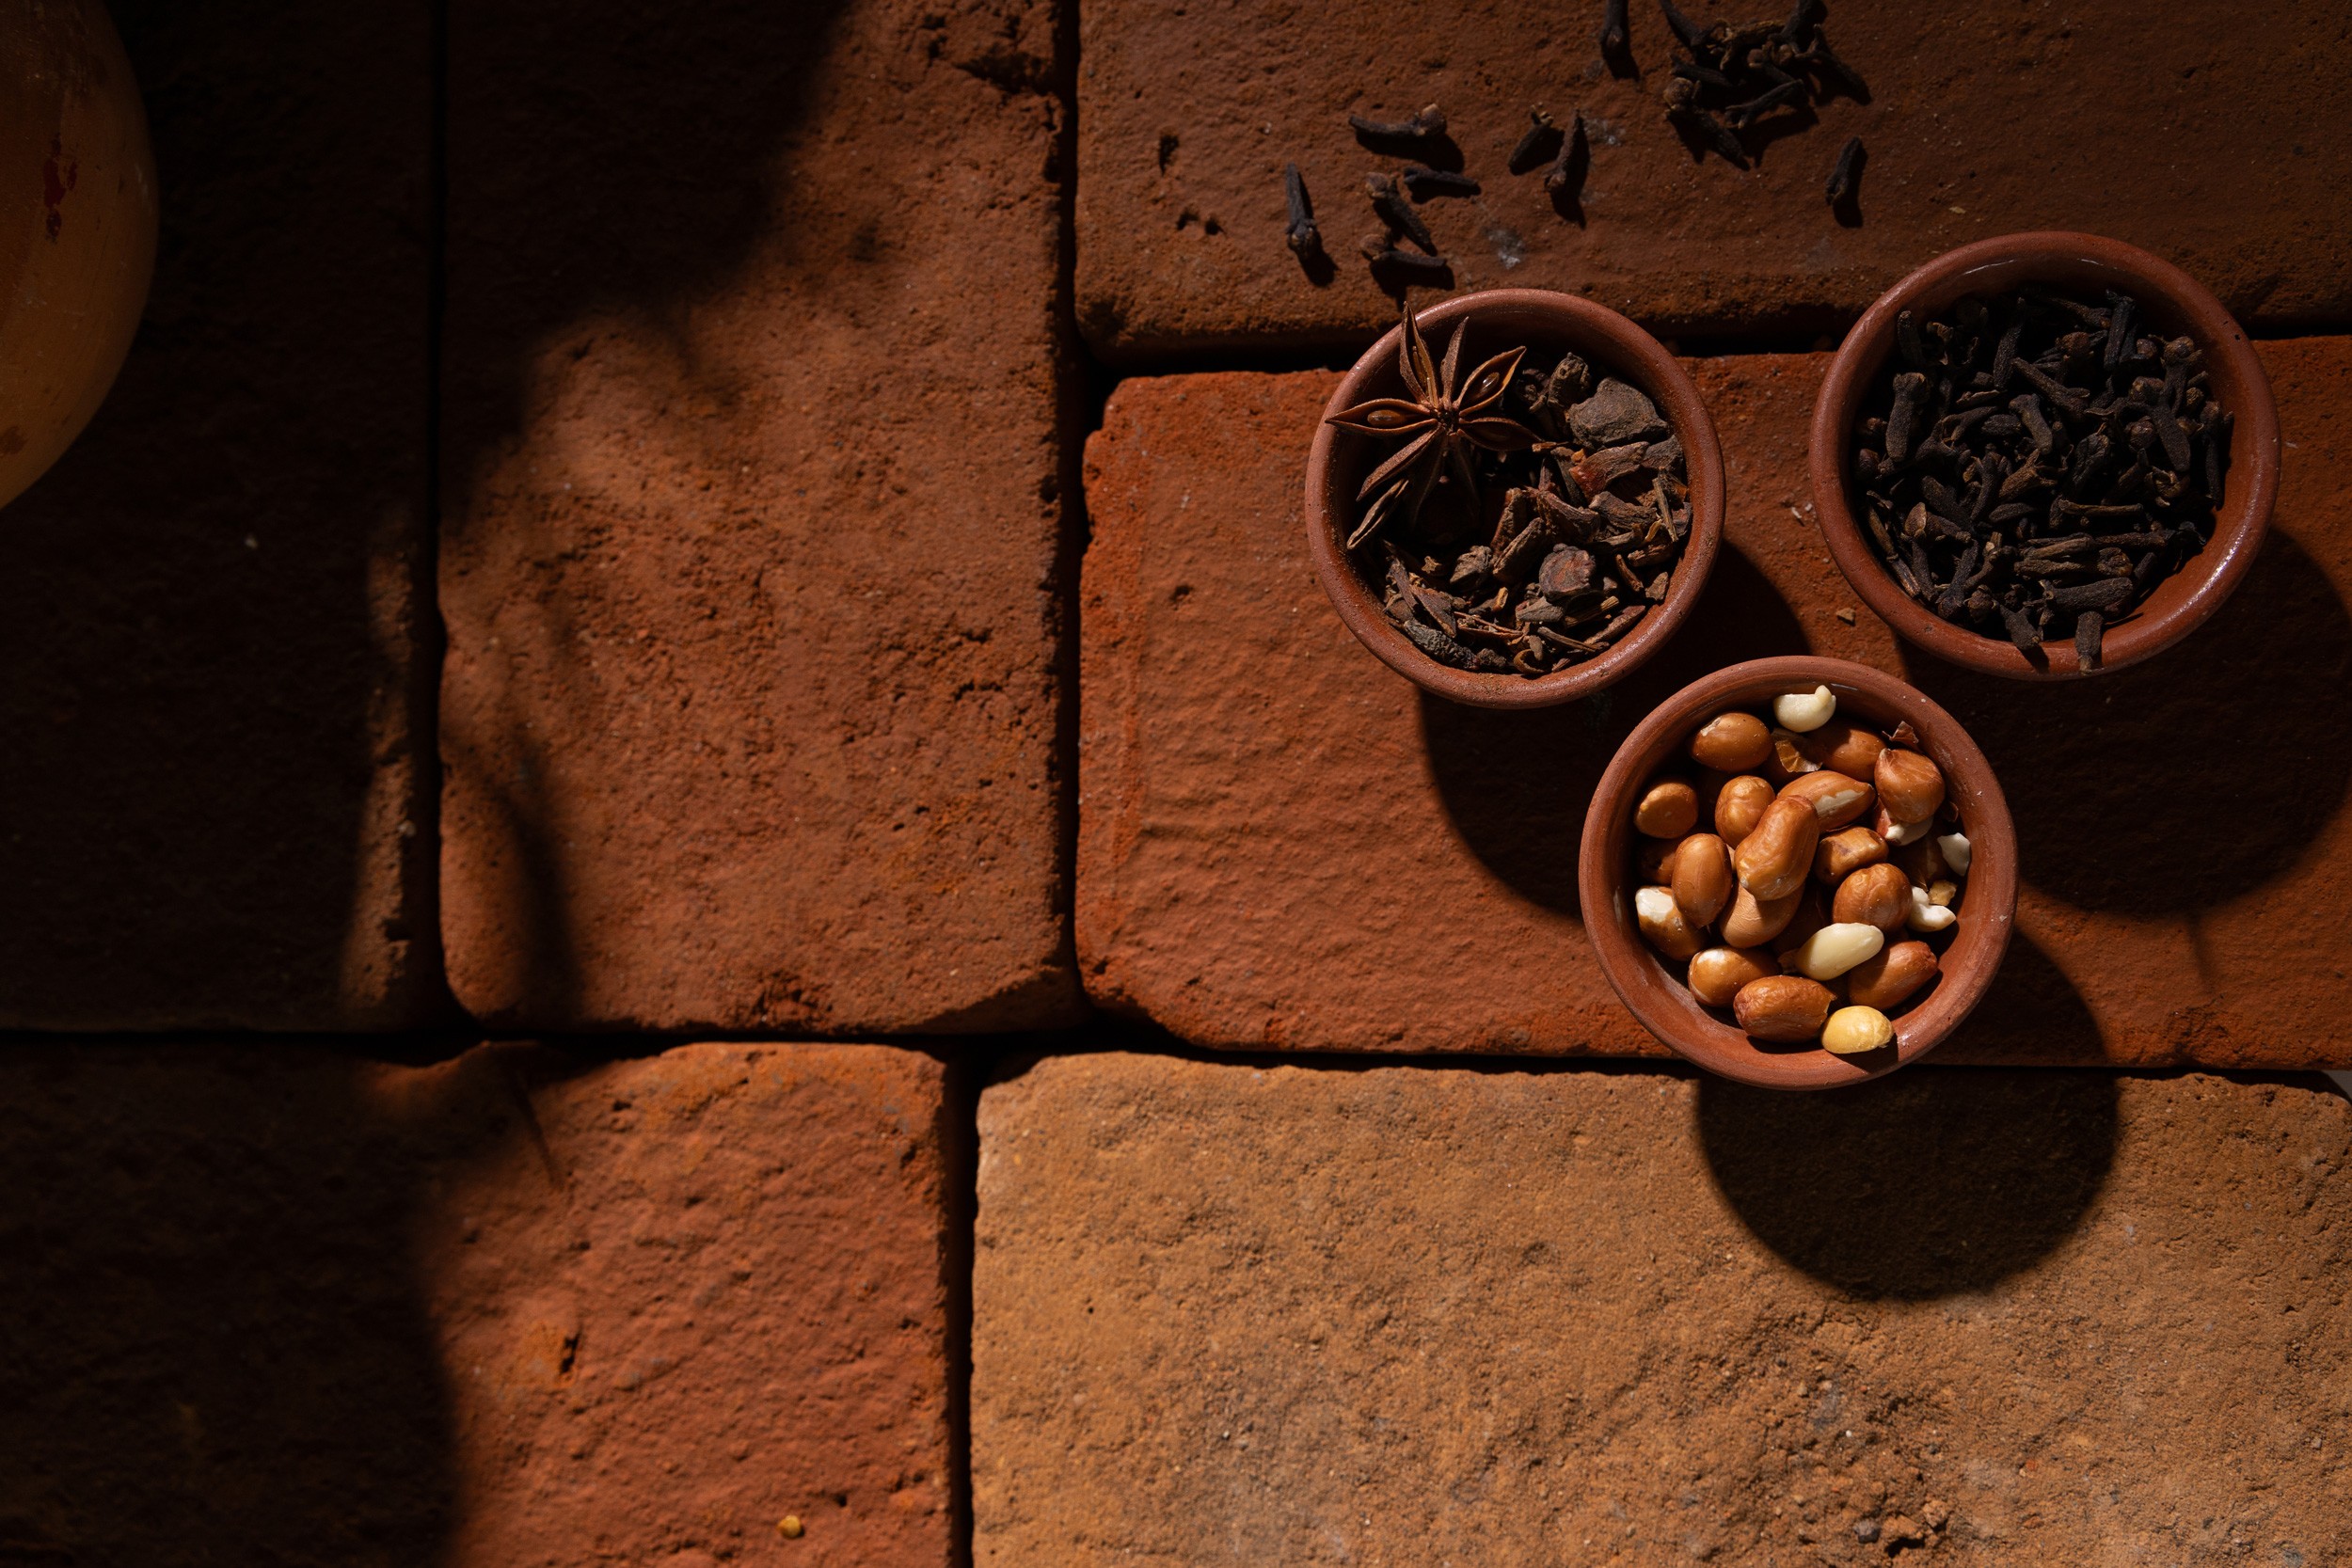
x=1514, y=499
x=1799, y=873
x=2043, y=455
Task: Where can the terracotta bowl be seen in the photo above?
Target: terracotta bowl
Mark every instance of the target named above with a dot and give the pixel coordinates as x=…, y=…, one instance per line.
x=1500, y=318
x=77, y=226
x=2174, y=303
x=1652, y=989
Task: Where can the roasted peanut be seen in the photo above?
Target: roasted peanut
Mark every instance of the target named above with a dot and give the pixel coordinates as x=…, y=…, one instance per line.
x=1848, y=850
x=1898, y=832
x=1660, y=920
x=1732, y=742
x=1876, y=895
x=1910, y=787
x=1834, y=949
x=1851, y=1031
x=1842, y=747
x=1889, y=979
x=1925, y=916
x=1943, y=890
x=1718, y=973
x=1784, y=1009
x=1654, y=858
x=1750, y=922
x=1802, y=711
x=1787, y=760
x=1740, y=806
x=1957, y=852
x=1836, y=798
x=1668, y=810
x=1702, y=880
x=1773, y=860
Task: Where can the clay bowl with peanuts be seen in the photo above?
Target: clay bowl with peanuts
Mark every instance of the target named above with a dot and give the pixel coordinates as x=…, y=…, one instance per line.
x=1843, y=927
x=2086, y=266
x=1342, y=460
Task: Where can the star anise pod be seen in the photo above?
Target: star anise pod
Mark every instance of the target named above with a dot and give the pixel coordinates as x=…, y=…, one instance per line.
x=1444, y=418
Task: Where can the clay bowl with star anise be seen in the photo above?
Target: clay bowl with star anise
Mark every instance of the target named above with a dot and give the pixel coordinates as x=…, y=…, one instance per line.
x=1439, y=452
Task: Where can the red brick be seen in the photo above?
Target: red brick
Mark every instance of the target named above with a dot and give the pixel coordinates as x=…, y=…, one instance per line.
x=1406, y=1315
x=1281, y=844
x=2148, y=122
x=213, y=636
x=752, y=529
x=517, y=1309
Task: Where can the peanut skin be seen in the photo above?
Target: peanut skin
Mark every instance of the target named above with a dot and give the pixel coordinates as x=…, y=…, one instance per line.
x=1893, y=977
x=1783, y=1008
x=1847, y=852
x=1741, y=807
x=1773, y=861
x=1669, y=809
x=1702, y=880
x=1910, y=787
x=1835, y=798
x=1876, y=895
x=1732, y=743
x=1717, y=974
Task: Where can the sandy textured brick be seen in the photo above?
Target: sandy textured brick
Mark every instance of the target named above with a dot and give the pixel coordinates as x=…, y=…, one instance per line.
x=752, y=519
x=1413, y=1314
x=2147, y=122
x=1282, y=844
x=214, y=631
x=519, y=1309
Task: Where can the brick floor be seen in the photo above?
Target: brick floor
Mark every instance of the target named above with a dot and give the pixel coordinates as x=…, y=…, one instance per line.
x=215, y=654
x=752, y=516
x=1249, y=1314
x=2129, y=121
x=278, y=1304
x=1283, y=844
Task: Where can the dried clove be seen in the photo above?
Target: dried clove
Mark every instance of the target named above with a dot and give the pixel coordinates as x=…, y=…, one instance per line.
x=1536, y=145
x=1428, y=123
x=1304, y=239
x=1402, y=221
x=1849, y=169
x=1566, y=174
x=2053, y=510
x=1424, y=183
x=1731, y=79
x=1616, y=37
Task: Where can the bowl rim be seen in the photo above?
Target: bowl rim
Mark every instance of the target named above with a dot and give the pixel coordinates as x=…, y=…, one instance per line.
x=2239, y=527
x=1703, y=1037
x=1617, y=347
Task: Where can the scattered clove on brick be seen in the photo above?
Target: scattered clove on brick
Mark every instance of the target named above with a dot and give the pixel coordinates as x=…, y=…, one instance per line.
x=1429, y=123
x=1731, y=78
x=1304, y=238
x=1534, y=515
x=2033, y=465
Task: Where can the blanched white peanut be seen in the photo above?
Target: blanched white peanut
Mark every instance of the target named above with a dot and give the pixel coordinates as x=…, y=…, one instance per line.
x=1957, y=851
x=1850, y=1031
x=1927, y=916
x=1805, y=710
x=1834, y=949
x=1660, y=920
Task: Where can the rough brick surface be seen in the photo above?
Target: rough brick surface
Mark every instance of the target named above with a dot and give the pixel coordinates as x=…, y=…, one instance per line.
x=1281, y=843
x=1227, y=1314
x=2141, y=122
x=279, y=1305
x=753, y=507
x=215, y=651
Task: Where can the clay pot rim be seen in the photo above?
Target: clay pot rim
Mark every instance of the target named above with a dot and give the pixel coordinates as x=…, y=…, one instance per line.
x=1616, y=347
x=2054, y=256
x=1656, y=996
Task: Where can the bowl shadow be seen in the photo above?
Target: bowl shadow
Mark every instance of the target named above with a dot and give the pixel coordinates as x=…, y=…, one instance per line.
x=1515, y=783
x=2114, y=782
x=1925, y=1184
